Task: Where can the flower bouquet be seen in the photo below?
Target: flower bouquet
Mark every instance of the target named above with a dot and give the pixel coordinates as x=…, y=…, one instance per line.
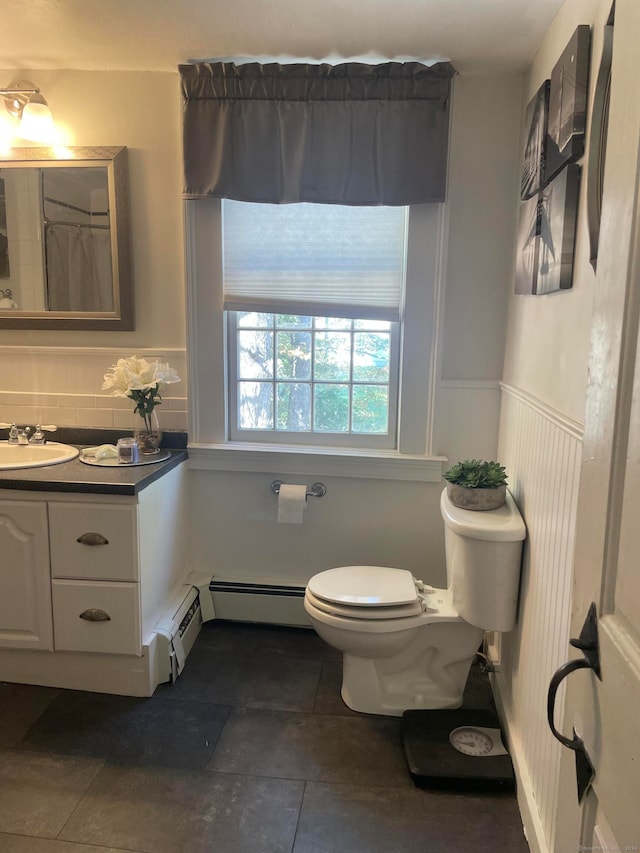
x=141, y=381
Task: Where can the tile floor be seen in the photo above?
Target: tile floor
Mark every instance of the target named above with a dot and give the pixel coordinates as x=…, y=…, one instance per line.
x=251, y=751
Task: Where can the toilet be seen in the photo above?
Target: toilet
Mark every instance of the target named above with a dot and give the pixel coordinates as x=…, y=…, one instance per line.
x=405, y=644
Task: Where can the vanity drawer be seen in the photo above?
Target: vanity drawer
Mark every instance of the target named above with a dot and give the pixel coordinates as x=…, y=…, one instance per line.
x=120, y=634
x=93, y=541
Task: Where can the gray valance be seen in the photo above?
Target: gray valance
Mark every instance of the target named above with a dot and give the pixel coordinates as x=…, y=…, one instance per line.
x=335, y=134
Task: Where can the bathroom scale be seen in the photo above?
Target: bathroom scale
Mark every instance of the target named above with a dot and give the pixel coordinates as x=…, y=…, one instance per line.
x=459, y=749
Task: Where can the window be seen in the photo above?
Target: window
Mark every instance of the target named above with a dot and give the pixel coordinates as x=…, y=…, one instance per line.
x=403, y=305
x=329, y=375
x=318, y=379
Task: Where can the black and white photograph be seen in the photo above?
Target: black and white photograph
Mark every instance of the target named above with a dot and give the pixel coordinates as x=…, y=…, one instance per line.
x=558, y=213
x=568, y=103
x=533, y=165
x=526, y=270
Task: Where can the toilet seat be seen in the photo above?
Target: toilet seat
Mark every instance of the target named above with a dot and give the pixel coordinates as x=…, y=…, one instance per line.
x=350, y=611
x=365, y=586
x=370, y=594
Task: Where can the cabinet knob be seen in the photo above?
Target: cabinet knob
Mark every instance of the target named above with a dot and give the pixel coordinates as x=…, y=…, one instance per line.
x=94, y=614
x=92, y=539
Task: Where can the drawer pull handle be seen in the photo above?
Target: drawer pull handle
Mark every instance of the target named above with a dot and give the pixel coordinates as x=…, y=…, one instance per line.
x=92, y=539
x=94, y=614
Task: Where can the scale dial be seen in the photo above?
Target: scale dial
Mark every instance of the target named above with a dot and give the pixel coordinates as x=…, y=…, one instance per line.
x=470, y=740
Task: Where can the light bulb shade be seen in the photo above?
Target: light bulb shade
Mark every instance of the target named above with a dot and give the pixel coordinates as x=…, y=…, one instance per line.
x=36, y=123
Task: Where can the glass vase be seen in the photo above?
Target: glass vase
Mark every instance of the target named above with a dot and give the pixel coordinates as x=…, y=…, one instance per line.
x=147, y=432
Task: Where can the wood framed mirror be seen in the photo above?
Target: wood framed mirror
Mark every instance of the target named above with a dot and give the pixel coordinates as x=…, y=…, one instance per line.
x=65, y=259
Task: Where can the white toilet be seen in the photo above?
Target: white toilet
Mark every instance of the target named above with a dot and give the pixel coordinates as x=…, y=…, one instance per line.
x=405, y=644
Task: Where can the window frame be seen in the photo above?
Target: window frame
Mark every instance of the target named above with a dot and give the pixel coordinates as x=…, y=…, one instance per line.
x=420, y=347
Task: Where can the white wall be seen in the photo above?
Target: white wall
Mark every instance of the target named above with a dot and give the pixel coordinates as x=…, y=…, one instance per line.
x=545, y=374
x=56, y=376
x=548, y=336
x=141, y=111
x=387, y=521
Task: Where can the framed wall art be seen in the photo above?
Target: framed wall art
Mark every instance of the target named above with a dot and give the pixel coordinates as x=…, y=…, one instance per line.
x=598, y=139
x=558, y=212
x=568, y=93
x=526, y=271
x=533, y=164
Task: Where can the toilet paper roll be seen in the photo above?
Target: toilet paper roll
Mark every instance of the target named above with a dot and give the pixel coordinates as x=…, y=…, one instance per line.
x=292, y=500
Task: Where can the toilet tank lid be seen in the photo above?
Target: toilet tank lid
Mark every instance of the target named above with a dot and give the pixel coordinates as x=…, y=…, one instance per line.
x=504, y=524
x=367, y=586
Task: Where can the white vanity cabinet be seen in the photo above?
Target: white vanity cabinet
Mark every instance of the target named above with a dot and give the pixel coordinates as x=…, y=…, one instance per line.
x=85, y=579
x=25, y=586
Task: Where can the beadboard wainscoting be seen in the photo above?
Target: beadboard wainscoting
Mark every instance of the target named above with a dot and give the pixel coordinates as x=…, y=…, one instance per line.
x=63, y=386
x=541, y=450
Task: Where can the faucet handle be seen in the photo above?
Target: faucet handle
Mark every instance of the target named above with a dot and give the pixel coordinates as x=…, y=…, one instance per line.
x=13, y=432
x=39, y=436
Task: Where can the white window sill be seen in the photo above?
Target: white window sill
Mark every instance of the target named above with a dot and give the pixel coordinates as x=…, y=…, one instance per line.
x=262, y=458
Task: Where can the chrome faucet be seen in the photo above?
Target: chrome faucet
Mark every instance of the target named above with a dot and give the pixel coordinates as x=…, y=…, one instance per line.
x=27, y=434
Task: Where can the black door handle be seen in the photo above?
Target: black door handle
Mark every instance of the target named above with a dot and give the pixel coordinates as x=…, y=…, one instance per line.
x=588, y=644
x=558, y=677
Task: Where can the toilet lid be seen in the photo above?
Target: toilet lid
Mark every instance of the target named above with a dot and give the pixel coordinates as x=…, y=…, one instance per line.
x=365, y=586
x=361, y=612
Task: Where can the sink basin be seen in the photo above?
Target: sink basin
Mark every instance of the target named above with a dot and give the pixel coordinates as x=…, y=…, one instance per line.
x=34, y=455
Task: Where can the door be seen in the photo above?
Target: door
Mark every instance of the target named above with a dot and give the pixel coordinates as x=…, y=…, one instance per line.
x=605, y=712
x=25, y=583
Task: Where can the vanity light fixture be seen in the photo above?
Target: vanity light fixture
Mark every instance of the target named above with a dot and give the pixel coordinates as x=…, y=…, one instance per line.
x=24, y=101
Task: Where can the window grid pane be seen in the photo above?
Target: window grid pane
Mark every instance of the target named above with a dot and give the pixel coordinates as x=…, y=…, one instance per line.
x=318, y=375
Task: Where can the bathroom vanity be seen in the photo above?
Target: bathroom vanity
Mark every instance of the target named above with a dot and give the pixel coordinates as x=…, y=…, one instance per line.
x=92, y=559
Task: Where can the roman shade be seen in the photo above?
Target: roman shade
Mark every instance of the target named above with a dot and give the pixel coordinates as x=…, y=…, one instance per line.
x=352, y=134
x=314, y=259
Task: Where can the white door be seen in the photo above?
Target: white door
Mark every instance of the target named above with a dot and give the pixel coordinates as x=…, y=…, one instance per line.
x=606, y=713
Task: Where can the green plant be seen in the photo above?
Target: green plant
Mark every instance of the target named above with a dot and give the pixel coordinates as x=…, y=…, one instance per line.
x=476, y=474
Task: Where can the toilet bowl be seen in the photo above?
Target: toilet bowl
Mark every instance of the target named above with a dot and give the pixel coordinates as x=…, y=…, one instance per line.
x=407, y=645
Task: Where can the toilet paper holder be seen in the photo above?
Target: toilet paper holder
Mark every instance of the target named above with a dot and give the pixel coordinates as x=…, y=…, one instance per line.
x=318, y=490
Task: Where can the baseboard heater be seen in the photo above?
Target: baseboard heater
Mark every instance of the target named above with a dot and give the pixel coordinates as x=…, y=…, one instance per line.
x=255, y=600
x=176, y=634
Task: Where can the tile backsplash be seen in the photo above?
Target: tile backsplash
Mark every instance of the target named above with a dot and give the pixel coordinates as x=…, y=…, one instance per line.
x=62, y=385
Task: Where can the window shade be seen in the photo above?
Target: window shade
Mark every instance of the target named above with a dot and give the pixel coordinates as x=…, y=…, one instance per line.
x=319, y=260
x=352, y=133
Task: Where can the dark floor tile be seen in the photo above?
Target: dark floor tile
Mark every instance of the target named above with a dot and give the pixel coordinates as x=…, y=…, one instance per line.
x=124, y=729
x=287, y=683
x=173, y=811
x=20, y=706
x=363, y=751
x=29, y=844
x=39, y=792
x=251, y=639
x=387, y=820
x=328, y=698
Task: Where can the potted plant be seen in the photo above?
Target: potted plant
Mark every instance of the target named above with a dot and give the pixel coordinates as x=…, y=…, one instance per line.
x=477, y=485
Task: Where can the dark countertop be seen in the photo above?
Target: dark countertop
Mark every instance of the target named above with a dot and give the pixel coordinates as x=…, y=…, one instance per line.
x=75, y=476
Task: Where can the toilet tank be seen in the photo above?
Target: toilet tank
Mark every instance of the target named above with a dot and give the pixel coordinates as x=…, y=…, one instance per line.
x=483, y=554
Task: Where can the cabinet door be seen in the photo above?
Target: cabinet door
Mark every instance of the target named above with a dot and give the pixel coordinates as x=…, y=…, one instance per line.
x=25, y=585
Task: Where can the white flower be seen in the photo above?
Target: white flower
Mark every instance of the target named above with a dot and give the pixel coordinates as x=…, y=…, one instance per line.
x=137, y=374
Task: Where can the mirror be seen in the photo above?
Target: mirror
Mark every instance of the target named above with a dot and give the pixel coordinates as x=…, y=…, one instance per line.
x=64, y=239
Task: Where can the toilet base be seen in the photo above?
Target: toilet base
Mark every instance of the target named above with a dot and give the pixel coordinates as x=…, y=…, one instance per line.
x=418, y=678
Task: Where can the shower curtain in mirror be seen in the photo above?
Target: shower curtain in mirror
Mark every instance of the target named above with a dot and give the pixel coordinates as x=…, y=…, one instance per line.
x=78, y=268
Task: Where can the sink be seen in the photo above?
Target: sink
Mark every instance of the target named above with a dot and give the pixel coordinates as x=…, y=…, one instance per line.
x=34, y=455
